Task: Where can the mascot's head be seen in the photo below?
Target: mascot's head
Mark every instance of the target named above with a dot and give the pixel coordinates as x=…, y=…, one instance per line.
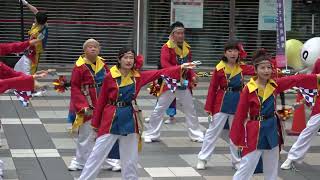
x=310, y=51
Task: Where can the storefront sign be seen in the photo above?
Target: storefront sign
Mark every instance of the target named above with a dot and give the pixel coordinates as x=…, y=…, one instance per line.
x=268, y=14
x=189, y=12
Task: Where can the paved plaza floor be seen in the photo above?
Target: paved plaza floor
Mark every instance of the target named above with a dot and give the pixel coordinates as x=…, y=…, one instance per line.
x=37, y=146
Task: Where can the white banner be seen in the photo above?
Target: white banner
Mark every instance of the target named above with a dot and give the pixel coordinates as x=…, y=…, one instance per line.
x=189, y=12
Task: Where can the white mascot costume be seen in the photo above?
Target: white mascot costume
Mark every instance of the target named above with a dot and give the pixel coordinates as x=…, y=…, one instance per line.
x=310, y=57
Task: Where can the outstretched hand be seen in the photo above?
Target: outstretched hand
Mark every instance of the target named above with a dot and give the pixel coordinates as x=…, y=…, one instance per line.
x=40, y=74
x=44, y=73
x=188, y=65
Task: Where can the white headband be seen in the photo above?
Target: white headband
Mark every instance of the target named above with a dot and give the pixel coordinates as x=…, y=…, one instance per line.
x=176, y=29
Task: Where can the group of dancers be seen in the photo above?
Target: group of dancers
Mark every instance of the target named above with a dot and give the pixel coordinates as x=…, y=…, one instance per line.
x=105, y=111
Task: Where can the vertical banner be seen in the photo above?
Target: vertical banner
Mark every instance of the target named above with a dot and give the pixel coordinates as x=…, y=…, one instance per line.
x=281, y=35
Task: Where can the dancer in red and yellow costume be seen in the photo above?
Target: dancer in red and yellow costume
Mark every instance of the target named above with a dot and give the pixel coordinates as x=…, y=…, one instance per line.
x=256, y=129
x=175, y=51
x=223, y=96
x=116, y=115
x=28, y=63
x=86, y=82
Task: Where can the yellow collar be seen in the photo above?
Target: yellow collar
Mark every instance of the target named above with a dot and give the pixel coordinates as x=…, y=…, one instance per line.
x=181, y=52
x=171, y=44
x=35, y=29
x=125, y=80
x=96, y=67
x=268, y=91
x=232, y=71
x=115, y=72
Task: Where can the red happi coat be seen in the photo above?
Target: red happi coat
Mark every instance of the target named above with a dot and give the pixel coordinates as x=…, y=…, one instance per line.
x=168, y=58
x=104, y=112
x=81, y=76
x=219, y=82
x=10, y=79
x=244, y=133
x=316, y=107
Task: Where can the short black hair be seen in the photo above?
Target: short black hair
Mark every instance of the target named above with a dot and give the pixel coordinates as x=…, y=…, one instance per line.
x=41, y=18
x=124, y=50
x=259, y=56
x=231, y=44
x=176, y=24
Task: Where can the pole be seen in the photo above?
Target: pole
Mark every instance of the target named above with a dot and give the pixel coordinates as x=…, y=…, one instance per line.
x=21, y=22
x=232, y=19
x=138, y=28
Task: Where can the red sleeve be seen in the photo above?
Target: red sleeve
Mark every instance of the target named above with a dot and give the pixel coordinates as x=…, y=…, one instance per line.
x=16, y=47
x=212, y=92
x=165, y=57
x=10, y=79
x=7, y=72
x=308, y=81
x=21, y=83
x=237, y=132
x=149, y=76
x=316, y=67
x=79, y=101
x=248, y=70
x=102, y=101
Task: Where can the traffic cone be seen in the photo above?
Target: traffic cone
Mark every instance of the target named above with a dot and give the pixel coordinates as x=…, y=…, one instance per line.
x=299, y=119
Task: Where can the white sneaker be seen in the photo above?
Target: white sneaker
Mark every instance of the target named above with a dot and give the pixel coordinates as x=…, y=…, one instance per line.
x=106, y=167
x=39, y=93
x=146, y=120
x=116, y=168
x=149, y=140
x=235, y=166
x=201, y=165
x=287, y=164
x=318, y=133
x=170, y=120
x=112, y=168
x=75, y=166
